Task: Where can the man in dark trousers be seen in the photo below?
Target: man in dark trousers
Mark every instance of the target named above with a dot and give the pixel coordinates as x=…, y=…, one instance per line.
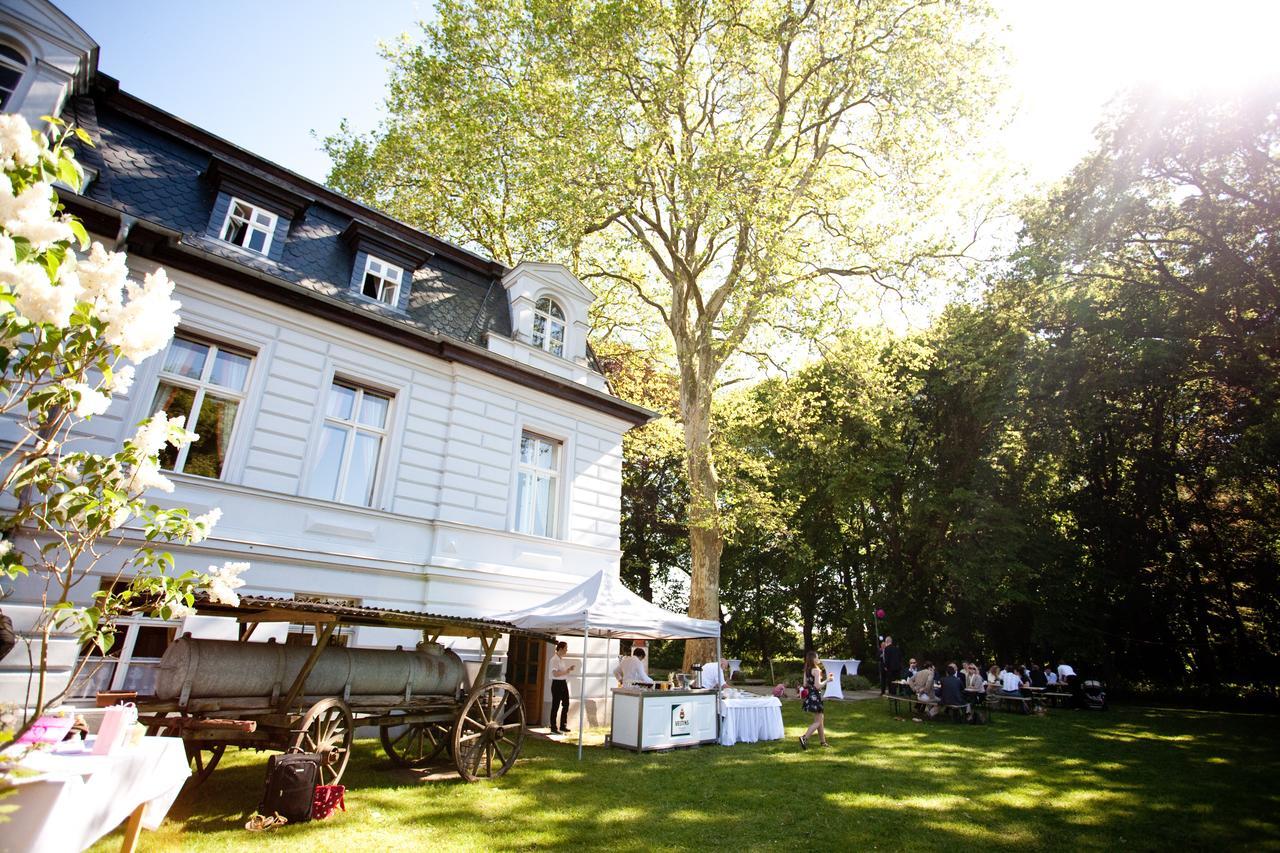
x=560, y=672
x=890, y=664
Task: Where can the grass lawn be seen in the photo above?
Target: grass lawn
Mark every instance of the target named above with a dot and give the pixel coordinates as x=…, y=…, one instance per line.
x=1132, y=778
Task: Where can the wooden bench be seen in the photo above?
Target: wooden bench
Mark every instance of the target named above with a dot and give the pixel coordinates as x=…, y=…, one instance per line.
x=1004, y=702
x=1056, y=699
x=979, y=710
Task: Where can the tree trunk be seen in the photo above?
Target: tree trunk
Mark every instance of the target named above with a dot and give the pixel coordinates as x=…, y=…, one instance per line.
x=706, y=539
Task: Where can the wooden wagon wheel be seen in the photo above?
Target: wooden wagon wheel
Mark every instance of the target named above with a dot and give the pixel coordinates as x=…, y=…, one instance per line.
x=327, y=729
x=415, y=744
x=202, y=755
x=490, y=726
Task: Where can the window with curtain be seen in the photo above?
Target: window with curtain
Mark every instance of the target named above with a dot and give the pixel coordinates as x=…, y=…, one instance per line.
x=355, y=425
x=537, y=482
x=204, y=382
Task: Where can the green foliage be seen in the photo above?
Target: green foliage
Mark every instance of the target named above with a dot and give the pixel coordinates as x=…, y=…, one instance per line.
x=1081, y=464
x=69, y=328
x=731, y=167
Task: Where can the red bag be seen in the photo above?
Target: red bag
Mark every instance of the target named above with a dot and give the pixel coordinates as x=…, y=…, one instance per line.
x=328, y=799
x=804, y=692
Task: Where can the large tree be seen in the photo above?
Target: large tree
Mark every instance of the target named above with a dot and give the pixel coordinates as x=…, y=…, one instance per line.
x=733, y=164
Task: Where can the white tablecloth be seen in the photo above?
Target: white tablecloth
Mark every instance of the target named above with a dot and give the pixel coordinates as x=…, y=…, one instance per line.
x=735, y=665
x=833, y=668
x=80, y=798
x=748, y=719
x=851, y=666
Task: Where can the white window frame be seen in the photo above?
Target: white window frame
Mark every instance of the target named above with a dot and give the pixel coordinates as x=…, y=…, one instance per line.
x=254, y=210
x=383, y=276
x=199, y=386
x=352, y=426
x=557, y=484
x=548, y=320
x=10, y=104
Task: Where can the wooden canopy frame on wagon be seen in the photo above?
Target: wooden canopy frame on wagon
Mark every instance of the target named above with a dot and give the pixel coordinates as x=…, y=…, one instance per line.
x=482, y=727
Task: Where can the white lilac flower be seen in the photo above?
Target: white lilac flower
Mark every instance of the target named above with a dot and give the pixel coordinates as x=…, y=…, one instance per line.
x=18, y=146
x=202, y=525
x=147, y=476
x=30, y=214
x=5, y=547
x=146, y=323
x=152, y=433
x=121, y=517
x=91, y=401
x=39, y=300
x=223, y=582
x=121, y=380
x=103, y=276
x=180, y=610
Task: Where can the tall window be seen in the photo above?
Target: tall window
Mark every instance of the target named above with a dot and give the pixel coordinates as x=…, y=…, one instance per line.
x=249, y=227
x=355, y=424
x=12, y=66
x=536, y=485
x=381, y=281
x=548, y=326
x=205, y=382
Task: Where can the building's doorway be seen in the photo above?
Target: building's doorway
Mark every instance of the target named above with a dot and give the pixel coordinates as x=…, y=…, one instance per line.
x=525, y=665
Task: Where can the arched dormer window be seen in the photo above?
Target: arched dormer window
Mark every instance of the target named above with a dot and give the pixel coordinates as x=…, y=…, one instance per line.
x=12, y=66
x=548, y=326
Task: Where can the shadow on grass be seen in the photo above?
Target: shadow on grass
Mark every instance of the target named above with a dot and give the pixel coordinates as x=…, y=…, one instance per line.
x=1136, y=778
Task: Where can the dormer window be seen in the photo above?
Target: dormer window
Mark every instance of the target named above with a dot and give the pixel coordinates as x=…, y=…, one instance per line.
x=381, y=281
x=12, y=66
x=249, y=227
x=548, y=326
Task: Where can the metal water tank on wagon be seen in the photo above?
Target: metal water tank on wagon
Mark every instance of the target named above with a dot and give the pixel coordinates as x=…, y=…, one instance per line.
x=270, y=696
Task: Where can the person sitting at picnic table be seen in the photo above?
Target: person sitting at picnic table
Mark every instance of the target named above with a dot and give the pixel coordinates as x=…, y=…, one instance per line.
x=975, y=683
x=1050, y=675
x=630, y=670
x=993, y=678
x=1036, y=677
x=953, y=687
x=1010, y=682
x=912, y=669
x=921, y=685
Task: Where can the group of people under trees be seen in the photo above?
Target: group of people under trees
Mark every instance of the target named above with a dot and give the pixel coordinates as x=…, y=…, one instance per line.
x=964, y=682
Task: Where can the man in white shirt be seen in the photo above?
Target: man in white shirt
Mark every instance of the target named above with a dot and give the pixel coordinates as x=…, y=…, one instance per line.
x=1011, y=682
x=1065, y=671
x=560, y=687
x=630, y=670
x=713, y=676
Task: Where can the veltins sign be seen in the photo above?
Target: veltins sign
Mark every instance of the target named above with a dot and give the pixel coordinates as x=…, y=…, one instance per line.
x=681, y=720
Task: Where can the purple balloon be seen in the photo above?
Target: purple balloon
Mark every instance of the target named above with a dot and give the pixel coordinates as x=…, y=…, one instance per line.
x=880, y=613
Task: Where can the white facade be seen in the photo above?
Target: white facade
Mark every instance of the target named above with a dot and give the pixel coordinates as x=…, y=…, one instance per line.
x=440, y=531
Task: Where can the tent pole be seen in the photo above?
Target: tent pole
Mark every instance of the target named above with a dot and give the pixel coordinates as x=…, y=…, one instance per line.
x=582, y=690
x=719, y=690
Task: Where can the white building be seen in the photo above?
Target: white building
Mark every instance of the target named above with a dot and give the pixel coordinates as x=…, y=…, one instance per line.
x=384, y=417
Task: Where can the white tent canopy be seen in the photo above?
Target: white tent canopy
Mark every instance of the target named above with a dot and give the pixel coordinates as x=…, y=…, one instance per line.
x=608, y=609
x=601, y=606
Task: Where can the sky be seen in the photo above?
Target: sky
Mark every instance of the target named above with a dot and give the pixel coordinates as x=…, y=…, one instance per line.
x=270, y=75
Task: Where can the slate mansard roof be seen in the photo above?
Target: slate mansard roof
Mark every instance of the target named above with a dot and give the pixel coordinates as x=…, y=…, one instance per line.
x=149, y=169
x=157, y=179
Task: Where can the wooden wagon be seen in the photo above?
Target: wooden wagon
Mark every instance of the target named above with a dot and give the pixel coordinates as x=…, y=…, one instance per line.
x=480, y=722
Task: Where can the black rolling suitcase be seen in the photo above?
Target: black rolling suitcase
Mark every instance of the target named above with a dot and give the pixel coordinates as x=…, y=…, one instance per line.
x=291, y=786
